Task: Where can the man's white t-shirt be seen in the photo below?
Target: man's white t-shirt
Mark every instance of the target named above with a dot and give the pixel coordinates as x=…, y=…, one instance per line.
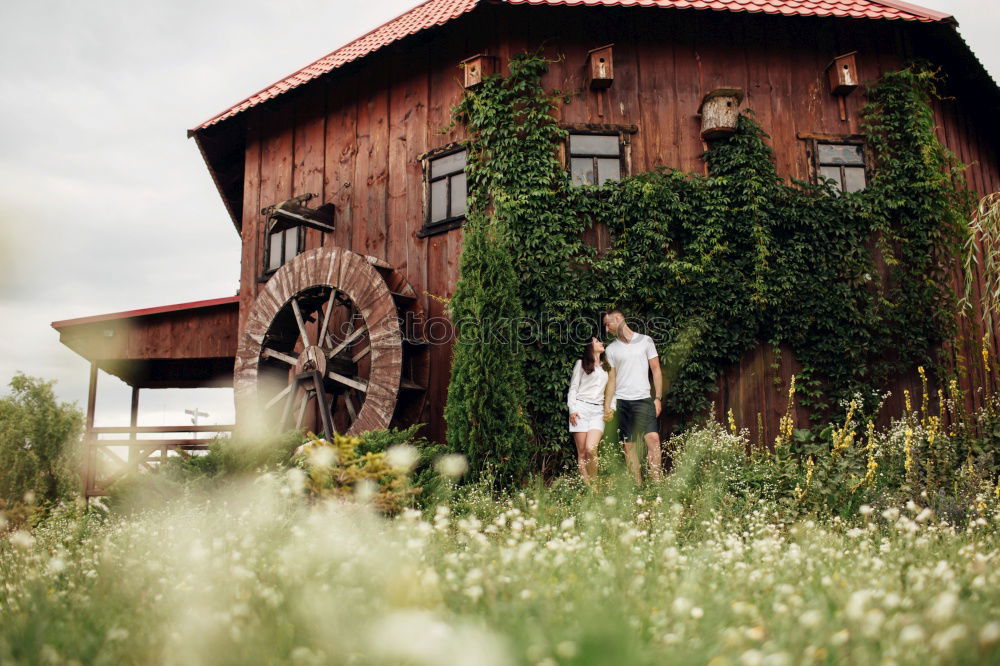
x=631, y=363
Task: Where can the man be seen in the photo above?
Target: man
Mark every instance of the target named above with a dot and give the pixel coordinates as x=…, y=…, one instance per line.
x=633, y=356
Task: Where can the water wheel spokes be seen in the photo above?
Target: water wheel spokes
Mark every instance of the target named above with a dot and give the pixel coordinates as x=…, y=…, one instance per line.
x=323, y=345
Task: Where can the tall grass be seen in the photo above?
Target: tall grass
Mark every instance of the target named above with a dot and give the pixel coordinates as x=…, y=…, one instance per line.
x=700, y=568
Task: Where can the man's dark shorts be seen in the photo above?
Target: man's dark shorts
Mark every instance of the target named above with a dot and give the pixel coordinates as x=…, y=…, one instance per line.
x=636, y=418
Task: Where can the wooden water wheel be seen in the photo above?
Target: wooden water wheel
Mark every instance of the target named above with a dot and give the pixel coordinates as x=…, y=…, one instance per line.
x=332, y=344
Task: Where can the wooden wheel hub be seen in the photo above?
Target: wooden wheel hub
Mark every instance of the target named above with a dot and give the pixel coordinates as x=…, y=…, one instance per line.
x=312, y=357
x=323, y=347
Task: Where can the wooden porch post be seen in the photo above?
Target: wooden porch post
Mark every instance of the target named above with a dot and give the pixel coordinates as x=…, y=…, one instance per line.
x=133, y=452
x=89, y=450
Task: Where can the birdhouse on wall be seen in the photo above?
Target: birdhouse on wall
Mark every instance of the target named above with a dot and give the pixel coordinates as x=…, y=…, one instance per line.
x=477, y=68
x=843, y=74
x=601, y=68
x=720, y=111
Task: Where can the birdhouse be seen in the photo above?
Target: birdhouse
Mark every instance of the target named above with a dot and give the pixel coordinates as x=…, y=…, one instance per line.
x=477, y=68
x=843, y=74
x=720, y=111
x=600, y=67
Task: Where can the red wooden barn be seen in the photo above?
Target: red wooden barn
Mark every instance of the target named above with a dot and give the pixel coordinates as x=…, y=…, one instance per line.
x=346, y=183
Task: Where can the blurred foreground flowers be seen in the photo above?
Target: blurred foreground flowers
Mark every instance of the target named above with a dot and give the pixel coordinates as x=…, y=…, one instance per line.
x=717, y=564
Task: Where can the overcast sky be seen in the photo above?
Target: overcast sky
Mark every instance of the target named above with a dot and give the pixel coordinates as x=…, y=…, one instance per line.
x=105, y=205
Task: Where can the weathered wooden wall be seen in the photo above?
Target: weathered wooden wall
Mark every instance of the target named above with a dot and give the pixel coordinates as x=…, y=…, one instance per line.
x=356, y=136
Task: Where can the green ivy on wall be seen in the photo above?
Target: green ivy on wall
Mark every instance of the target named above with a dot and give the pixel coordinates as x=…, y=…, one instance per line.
x=724, y=262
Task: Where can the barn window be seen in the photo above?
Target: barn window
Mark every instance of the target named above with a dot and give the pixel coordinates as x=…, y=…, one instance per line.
x=595, y=158
x=284, y=241
x=286, y=229
x=844, y=163
x=446, y=190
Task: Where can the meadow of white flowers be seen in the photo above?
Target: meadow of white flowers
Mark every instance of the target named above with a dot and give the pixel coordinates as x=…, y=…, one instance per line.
x=670, y=573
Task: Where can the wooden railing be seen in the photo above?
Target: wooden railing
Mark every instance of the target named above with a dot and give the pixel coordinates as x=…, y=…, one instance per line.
x=102, y=464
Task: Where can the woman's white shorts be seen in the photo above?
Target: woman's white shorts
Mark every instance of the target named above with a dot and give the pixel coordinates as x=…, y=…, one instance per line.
x=591, y=417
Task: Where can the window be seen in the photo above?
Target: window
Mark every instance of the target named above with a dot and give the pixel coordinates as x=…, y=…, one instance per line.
x=283, y=243
x=594, y=159
x=286, y=229
x=844, y=163
x=446, y=190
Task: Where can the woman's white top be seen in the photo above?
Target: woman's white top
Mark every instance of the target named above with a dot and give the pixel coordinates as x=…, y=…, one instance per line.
x=587, y=388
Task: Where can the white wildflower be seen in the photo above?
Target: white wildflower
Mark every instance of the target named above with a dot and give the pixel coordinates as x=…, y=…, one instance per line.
x=56, y=565
x=116, y=634
x=365, y=490
x=681, y=605
x=402, y=457
x=322, y=455
x=943, y=607
x=296, y=480
x=452, y=465
x=566, y=649
x=22, y=539
x=811, y=618
x=912, y=633
x=989, y=634
x=943, y=641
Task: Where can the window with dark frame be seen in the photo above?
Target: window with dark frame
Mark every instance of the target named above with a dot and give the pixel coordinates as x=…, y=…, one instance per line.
x=446, y=192
x=844, y=163
x=284, y=241
x=594, y=159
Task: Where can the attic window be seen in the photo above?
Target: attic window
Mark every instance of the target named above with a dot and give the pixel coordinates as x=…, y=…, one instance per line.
x=286, y=229
x=446, y=187
x=283, y=243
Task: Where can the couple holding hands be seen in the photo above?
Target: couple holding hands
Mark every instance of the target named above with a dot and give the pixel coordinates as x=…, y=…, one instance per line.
x=617, y=378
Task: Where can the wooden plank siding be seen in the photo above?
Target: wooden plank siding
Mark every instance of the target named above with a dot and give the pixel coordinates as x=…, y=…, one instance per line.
x=356, y=137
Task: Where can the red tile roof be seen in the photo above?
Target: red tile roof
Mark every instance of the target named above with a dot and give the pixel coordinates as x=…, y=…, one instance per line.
x=438, y=12
x=145, y=312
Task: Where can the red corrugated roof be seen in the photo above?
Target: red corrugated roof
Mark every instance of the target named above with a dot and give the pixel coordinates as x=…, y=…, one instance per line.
x=439, y=12
x=145, y=312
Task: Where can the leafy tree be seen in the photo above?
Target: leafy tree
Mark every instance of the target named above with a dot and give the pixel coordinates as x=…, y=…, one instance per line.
x=38, y=442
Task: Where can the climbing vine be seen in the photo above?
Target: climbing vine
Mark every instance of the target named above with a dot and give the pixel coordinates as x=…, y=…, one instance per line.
x=855, y=284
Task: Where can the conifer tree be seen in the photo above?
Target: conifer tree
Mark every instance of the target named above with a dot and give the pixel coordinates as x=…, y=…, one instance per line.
x=485, y=408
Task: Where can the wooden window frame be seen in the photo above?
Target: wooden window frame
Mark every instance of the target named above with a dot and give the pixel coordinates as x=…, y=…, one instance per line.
x=300, y=238
x=623, y=132
x=813, y=142
x=452, y=222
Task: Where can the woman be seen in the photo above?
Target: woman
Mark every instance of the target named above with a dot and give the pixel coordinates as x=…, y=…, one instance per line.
x=591, y=402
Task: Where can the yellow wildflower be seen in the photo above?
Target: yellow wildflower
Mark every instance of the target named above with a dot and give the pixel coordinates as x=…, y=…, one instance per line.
x=925, y=400
x=872, y=465
x=844, y=437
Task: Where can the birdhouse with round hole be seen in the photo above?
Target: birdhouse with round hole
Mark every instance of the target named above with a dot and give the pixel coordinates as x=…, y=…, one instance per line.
x=601, y=67
x=720, y=111
x=478, y=68
x=843, y=74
